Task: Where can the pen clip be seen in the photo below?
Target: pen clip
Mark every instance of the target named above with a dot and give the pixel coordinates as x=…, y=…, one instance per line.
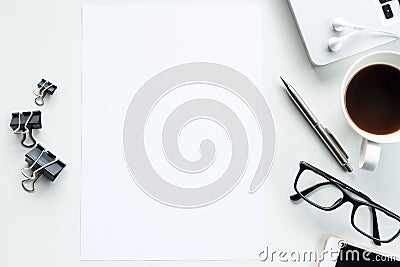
x=336, y=143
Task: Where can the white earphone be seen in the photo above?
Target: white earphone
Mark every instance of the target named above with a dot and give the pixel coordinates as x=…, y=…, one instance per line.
x=339, y=24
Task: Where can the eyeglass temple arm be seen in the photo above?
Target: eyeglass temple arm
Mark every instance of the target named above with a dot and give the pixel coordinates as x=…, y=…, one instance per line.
x=354, y=191
x=375, y=228
x=297, y=196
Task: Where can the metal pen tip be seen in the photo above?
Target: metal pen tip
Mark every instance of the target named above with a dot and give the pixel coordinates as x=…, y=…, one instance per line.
x=284, y=82
x=348, y=167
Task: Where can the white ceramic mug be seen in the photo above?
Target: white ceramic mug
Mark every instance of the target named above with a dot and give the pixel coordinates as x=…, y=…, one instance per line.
x=371, y=143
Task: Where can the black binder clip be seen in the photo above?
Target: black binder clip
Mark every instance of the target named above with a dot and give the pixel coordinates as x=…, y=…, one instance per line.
x=24, y=123
x=41, y=162
x=44, y=88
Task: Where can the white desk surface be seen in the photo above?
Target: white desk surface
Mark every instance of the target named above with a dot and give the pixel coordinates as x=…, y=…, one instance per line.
x=43, y=39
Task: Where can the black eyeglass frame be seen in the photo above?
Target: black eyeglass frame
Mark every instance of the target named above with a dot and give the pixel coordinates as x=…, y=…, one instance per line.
x=346, y=198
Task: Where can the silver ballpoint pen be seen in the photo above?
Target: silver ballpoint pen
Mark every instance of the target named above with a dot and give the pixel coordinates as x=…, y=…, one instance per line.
x=326, y=136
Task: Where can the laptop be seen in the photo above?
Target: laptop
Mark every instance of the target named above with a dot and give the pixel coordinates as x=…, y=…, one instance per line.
x=314, y=21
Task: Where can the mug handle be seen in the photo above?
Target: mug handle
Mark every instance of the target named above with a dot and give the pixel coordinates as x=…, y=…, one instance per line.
x=369, y=155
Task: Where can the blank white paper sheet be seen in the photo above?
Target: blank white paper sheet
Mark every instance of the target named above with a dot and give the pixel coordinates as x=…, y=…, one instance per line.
x=176, y=135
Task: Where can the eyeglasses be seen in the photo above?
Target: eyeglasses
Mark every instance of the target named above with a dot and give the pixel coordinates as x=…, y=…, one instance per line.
x=328, y=193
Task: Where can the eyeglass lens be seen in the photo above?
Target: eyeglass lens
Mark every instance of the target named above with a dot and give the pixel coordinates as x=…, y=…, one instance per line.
x=318, y=189
x=387, y=225
x=322, y=193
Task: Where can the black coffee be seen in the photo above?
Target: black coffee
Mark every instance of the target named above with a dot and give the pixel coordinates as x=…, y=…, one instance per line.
x=373, y=99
